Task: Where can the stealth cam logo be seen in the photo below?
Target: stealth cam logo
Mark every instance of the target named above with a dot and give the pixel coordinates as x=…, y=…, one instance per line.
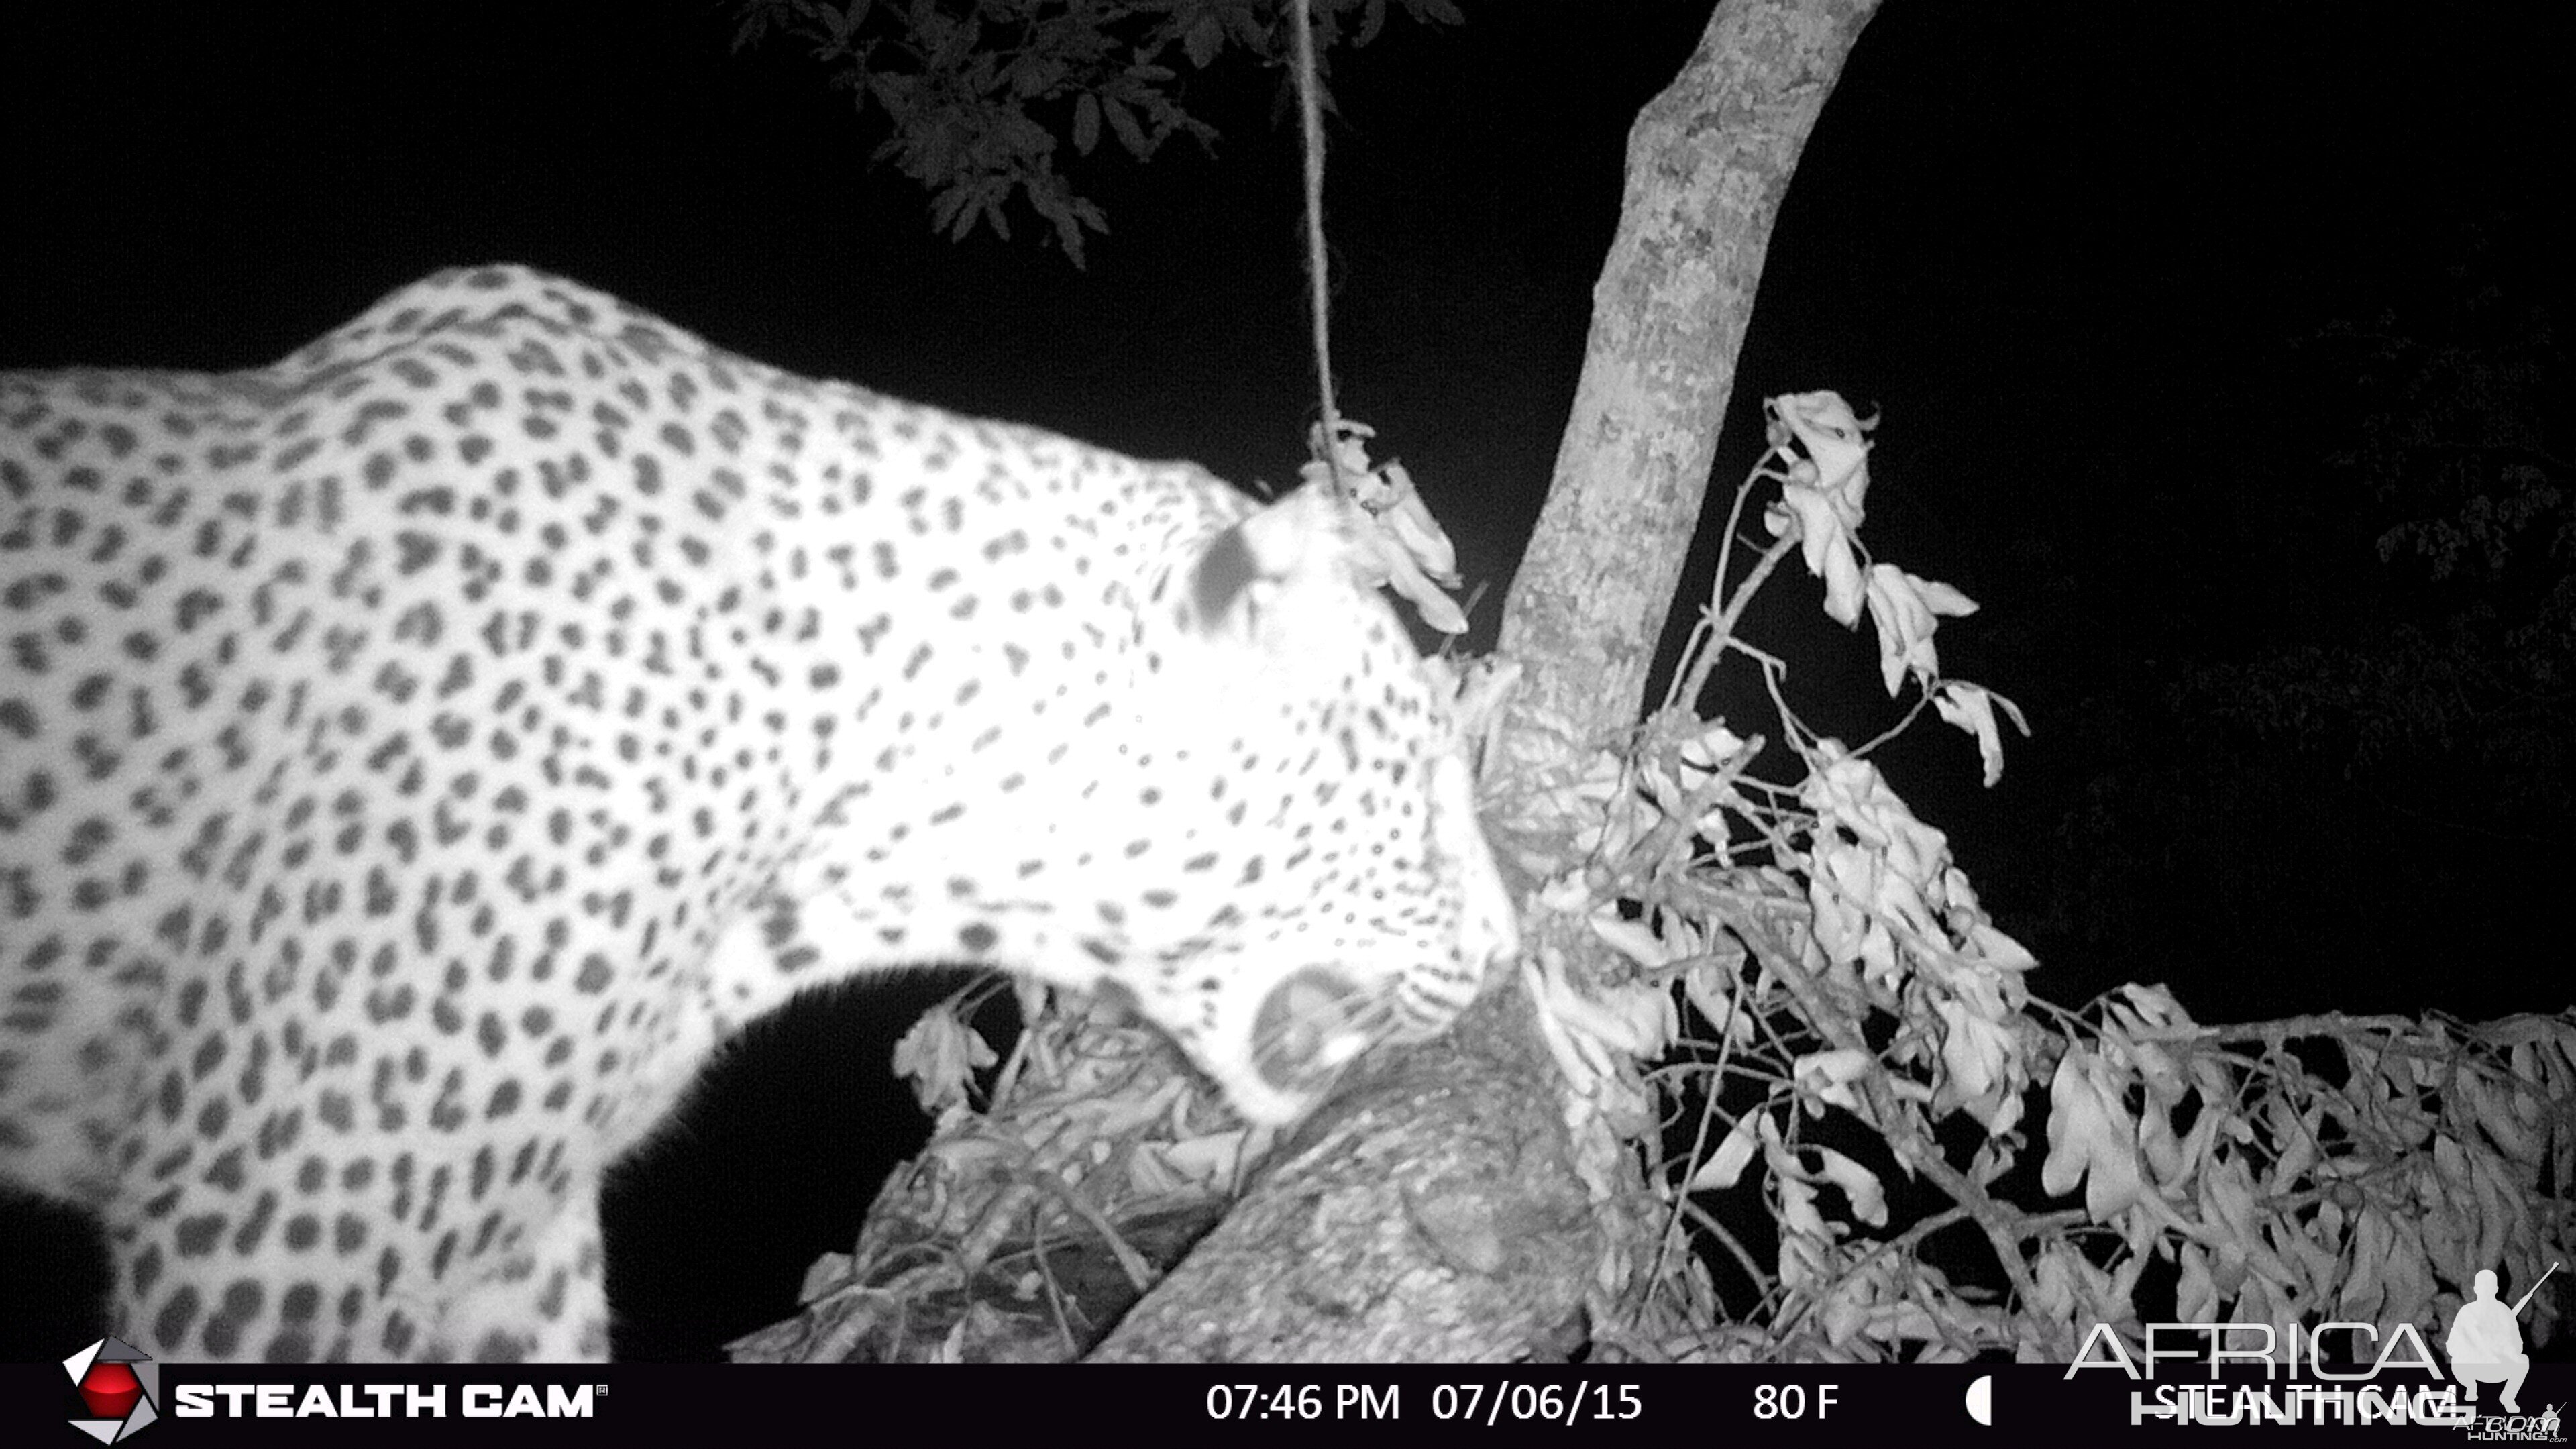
x=120, y=1383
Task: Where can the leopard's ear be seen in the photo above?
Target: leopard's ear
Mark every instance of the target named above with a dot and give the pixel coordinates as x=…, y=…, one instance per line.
x=1299, y=539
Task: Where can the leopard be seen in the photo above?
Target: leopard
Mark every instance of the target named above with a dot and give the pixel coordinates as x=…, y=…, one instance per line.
x=419, y=756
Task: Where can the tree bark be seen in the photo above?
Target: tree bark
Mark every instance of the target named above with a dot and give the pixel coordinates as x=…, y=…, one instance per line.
x=1708, y=163
x=1429, y=1214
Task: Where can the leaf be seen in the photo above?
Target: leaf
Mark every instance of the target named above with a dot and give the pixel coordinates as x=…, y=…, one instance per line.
x=894, y=93
x=1828, y=1075
x=2295, y=1134
x=1086, y=122
x=2364, y=1292
x=1973, y=1050
x=1904, y=610
x=1252, y=28
x=2196, y=1294
x=1035, y=76
x=1708, y=987
x=1122, y=122
x=2157, y=1143
x=1410, y=518
x=1821, y=492
x=1971, y=708
x=1798, y=1215
x=2053, y=1282
x=1726, y=1165
x=940, y=1056
x=1204, y=39
x=952, y=212
x=1372, y=18
x=1833, y=437
x=1868, y=1199
x=1388, y=562
x=826, y=1273
x=1824, y=543
x=1632, y=939
x=2090, y=1135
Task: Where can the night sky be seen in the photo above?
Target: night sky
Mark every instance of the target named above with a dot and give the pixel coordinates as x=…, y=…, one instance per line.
x=2099, y=267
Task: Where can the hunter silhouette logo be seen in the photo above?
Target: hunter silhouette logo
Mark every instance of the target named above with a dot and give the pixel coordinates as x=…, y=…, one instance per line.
x=2486, y=1343
x=122, y=1386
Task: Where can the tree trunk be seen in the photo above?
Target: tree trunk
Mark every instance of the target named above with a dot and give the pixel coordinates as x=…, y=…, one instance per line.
x=1708, y=162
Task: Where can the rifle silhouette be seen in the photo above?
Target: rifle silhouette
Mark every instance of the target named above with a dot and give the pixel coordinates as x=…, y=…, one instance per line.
x=2534, y=1288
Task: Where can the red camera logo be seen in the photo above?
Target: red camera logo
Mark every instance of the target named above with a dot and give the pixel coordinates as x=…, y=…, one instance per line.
x=120, y=1383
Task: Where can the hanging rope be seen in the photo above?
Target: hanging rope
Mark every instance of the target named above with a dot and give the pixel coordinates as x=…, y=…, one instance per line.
x=1319, y=298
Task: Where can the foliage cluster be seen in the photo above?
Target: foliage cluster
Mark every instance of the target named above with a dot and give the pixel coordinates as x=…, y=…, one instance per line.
x=1816, y=1010
x=976, y=93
